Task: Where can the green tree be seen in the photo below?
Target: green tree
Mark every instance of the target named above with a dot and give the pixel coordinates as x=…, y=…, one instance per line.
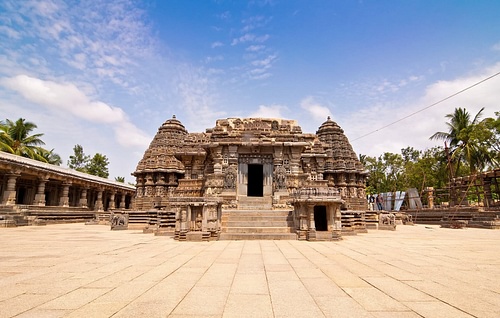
x=463, y=148
x=17, y=138
x=377, y=180
x=78, y=160
x=98, y=166
x=487, y=136
x=120, y=179
x=410, y=169
x=50, y=156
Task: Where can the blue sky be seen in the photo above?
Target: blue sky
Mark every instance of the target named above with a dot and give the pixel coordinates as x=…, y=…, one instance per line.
x=107, y=74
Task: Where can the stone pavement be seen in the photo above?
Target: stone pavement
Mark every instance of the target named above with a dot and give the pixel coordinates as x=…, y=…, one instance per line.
x=74, y=270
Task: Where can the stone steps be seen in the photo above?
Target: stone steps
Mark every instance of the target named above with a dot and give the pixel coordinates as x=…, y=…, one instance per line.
x=257, y=225
x=255, y=203
x=257, y=236
x=257, y=229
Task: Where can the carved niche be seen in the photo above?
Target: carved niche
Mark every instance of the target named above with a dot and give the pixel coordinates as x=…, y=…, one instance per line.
x=279, y=178
x=230, y=178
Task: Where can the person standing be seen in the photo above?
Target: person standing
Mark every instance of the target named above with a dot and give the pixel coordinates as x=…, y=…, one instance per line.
x=380, y=201
x=371, y=200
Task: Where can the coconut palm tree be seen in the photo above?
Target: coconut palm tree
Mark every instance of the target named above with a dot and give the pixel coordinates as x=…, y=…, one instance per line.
x=16, y=138
x=462, y=146
x=50, y=156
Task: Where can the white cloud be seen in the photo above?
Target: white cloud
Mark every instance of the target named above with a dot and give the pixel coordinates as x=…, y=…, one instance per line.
x=88, y=36
x=10, y=32
x=69, y=99
x=255, y=48
x=315, y=109
x=244, y=38
x=271, y=111
x=217, y=44
x=197, y=97
x=254, y=23
x=262, y=66
x=376, y=120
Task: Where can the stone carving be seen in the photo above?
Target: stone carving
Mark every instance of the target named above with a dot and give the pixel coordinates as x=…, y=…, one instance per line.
x=361, y=193
x=406, y=218
x=193, y=170
x=160, y=191
x=387, y=219
x=119, y=221
x=279, y=178
x=230, y=178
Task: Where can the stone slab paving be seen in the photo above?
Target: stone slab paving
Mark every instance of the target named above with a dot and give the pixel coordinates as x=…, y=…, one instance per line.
x=74, y=270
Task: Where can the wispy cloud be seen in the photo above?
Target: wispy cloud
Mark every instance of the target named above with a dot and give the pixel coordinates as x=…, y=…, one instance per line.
x=255, y=48
x=217, y=44
x=416, y=130
x=315, y=109
x=259, y=57
x=255, y=22
x=104, y=39
x=198, y=96
x=67, y=98
x=269, y=111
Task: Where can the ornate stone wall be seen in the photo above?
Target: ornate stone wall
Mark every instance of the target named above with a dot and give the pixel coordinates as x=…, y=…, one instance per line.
x=211, y=169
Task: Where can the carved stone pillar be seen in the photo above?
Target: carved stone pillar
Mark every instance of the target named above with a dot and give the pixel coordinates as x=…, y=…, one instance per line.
x=337, y=221
x=183, y=220
x=40, y=193
x=311, y=232
x=9, y=195
x=64, y=199
x=98, y=204
x=295, y=160
x=122, y=201
x=112, y=201
x=83, y=198
x=430, y=197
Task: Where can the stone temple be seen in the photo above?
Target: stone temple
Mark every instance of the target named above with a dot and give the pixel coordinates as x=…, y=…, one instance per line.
x=251, y=178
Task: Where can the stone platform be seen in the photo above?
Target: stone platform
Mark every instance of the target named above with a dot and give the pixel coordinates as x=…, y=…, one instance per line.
x=73, y=270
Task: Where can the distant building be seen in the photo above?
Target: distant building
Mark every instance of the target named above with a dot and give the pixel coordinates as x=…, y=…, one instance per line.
x=31, y=189
x=226, y=182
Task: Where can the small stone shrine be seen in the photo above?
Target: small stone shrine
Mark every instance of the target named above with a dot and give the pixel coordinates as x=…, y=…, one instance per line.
x=251, y=178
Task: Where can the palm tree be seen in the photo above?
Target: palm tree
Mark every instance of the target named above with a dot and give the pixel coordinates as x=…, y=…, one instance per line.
x=120, y=179
x=16, y=138
x=50, y=156
x=460, y=128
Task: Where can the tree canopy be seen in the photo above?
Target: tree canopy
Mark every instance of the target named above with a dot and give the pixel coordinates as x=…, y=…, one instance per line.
x=471, y=142
x=16, y=137
x=96, y=165
x=471, y=145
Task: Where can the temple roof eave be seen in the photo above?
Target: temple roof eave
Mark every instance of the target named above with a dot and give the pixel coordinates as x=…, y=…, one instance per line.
x=53, y=170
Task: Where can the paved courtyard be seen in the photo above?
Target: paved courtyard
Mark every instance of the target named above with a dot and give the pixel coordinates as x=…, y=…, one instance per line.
x=74, y=270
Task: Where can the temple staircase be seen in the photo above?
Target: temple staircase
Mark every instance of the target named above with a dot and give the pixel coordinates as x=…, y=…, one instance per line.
x=265, y=224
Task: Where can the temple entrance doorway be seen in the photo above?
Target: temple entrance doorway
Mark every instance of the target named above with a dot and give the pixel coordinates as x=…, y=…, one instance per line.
x=255, y=180
x=21, y=193
x=320, y=218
